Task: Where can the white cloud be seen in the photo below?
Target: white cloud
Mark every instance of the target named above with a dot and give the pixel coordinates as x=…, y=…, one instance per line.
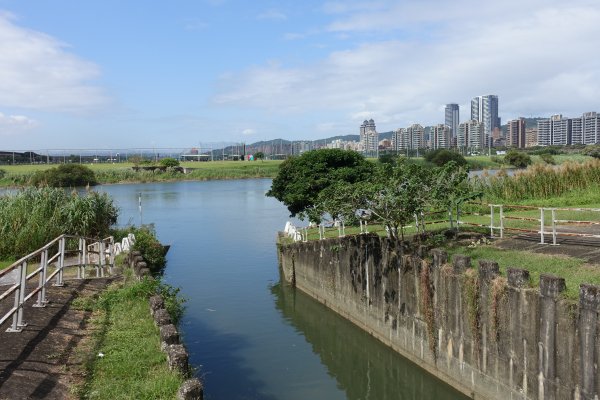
x=13, y=124
x=248, y=132
x=539, y=60
x=38, y=72
x=273, y=15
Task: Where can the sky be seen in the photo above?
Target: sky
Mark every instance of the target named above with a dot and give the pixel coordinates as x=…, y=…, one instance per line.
x=128, y=74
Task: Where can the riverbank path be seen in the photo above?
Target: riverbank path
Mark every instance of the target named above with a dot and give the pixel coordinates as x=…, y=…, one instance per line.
x=38, y=363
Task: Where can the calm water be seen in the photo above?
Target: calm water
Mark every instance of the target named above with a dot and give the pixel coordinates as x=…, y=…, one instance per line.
x=252, y=336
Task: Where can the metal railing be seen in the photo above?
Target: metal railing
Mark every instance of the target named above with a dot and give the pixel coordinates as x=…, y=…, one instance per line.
x=501, y=220
x=48, y=263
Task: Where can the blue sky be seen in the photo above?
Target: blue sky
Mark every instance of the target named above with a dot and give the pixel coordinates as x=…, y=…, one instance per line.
x=115, y=74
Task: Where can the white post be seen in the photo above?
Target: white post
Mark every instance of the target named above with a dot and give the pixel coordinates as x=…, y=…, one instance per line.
x=491, y=220
x=554, y=227
x=41, y=300
x=541, y=226
x=501, y=221
x=61, y=262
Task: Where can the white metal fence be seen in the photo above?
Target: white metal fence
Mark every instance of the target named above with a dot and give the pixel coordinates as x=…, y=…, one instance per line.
x=47, y=264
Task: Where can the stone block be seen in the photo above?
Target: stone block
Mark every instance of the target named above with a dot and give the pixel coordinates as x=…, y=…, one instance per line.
x=518, y=278
x=488, y=270
x=144, y=272
x=191, y=389
x=177, y=357
x=138, y=266
x=440, y=257
x=162, y=317
x=169, y=334
x=460, y=263
x=589, y=297
x=156, y=303
x=551, y=286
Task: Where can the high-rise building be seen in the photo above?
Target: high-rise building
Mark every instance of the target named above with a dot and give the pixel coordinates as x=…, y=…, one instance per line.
x=516, y=133
x=440, y=136
x=544, y=132
x=369, y=138
x=400, y=139
x=471, y=136
x=485, y=109
x=416, y=135
x=591, y=128
x=531, y=137
x=452, y=118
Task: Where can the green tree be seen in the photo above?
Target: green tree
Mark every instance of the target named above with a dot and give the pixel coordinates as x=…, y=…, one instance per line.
x=451, y=188
x=169, y=162
x=300, y=179
x=65, y=175
x=259, y=155
x=395, y=195
x=517, y=158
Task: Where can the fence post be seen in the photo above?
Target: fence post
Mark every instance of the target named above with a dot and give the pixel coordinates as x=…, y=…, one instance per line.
x=41, y=300
x=554, y=227
x=101, y=258
x=79, y=258
x=501, y=221
x=84, y=256
x=111, y=254
x=17, y=324
x=61, y=262
x=491, y=220
x=542, y=226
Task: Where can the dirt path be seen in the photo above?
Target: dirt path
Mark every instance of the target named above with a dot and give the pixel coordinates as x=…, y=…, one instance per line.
x=35, y=363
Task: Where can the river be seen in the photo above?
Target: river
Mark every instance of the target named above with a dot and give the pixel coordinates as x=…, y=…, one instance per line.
x=251, y=336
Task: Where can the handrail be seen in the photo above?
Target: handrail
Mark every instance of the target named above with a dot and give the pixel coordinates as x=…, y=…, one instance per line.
x=42, y=260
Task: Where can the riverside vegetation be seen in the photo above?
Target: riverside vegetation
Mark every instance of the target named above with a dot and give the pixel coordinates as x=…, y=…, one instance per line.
x=393, y=193
x=123, y=329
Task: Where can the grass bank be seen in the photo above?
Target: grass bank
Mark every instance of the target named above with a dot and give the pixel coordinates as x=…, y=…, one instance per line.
x=132, y=366
x=574, y=270
x=20, y=175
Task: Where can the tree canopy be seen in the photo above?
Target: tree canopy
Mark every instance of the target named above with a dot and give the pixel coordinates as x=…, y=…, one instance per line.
x=301, y=179
x=65, y=175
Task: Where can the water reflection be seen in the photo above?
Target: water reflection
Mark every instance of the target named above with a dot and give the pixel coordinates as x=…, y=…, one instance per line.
x=363, y=367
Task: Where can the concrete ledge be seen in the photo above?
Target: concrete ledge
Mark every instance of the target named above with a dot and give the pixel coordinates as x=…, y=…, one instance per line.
x=517, y=278
x=162, y=317
x=191, y=389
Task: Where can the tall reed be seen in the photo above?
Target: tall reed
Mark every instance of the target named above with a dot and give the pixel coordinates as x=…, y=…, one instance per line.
x=31, y=217
x=540, y=181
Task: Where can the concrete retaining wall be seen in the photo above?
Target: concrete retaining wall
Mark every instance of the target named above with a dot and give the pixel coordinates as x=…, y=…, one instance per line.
x=489, y=336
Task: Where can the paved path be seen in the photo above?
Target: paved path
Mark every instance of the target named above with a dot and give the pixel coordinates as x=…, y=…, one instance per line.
x=34, y=364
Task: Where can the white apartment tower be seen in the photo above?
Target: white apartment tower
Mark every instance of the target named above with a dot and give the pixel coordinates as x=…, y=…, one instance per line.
x=471, y=135
x=485, y=110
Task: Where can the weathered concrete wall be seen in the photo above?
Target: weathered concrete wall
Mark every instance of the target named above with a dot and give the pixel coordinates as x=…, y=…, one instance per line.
x=488, y=336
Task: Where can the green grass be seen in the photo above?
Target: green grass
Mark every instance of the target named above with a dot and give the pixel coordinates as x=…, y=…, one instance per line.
x=133, y=366
x=18, y=175
x=574, y=270
x=4, y=264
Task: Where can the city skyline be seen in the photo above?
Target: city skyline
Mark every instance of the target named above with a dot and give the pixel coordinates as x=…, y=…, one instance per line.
x=112, y=74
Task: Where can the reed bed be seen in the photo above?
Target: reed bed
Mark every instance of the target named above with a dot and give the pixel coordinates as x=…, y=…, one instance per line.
x=31, y=217
x=540, y=181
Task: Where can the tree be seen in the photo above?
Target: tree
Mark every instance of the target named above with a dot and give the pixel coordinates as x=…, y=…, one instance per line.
x=259, y=155
x=517, y=158
x=451, y=188
x=300, y=179
x=395, y=195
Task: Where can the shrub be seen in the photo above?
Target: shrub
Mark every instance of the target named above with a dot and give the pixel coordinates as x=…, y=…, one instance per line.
x=2, y=173
x=152, y=250
x=65, y=175
x=547, y=158
x=592, y=151
x=169, y=162
x=441, y=157
x=517, y=158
